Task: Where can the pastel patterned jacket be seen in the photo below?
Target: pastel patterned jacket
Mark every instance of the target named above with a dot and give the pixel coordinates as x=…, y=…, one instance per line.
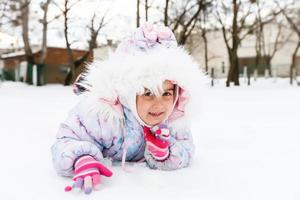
x=105, y=123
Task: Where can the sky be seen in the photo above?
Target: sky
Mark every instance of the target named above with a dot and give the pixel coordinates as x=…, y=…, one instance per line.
x=120, y=15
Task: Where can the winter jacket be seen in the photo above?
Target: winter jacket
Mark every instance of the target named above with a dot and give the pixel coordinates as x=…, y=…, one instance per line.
x=105, y=122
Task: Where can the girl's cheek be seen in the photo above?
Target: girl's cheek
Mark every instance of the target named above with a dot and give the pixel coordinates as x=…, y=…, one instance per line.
x=146, y=107
x=169, y=103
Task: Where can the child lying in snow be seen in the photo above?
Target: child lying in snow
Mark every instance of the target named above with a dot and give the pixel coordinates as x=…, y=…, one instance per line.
x=134, y=109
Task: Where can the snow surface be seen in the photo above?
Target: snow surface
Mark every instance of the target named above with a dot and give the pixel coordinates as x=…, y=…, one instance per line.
x=247, y=139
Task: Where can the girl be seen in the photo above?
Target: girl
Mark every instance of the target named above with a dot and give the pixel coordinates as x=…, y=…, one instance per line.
x=135, y=108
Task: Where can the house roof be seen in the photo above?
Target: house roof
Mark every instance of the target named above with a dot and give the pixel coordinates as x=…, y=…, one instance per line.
x=35, y=49
x=18, y=53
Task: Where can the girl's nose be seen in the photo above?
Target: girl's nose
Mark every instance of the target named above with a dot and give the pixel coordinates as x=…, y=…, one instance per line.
x=158, y=102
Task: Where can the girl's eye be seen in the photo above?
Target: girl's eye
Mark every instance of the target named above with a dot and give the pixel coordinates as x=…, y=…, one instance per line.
x=147, y=94
x=168, y=94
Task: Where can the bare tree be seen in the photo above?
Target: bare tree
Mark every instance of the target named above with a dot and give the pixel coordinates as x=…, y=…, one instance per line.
x=265, y=49
x=23, y=19
x=21, y=10
x=259, y=38
x=147, y=6
x=94, y=32
x=187, y=27
x=233, y=75
x=203, y=19
x=138, y=18
x=24, y=16
x=292, y=16
x=146, y=9
x=94, y=29
x=166, y=15
x=44, y=7
x=234, y=33
x=65, y=10
x=184, y=16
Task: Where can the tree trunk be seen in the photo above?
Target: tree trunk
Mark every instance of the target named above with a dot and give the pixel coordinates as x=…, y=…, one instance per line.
x=258, y=47
x=268, y=60
x=257, y=58
x=166, y=13
x=233, y=75
x=203, y=34
x=92, y=44
x=94, y=32
x=25, y=30
x=70, y=77
x=292, y=67
x=205, y=49
x=45, y=28
x=138, y=13
x=24, y=6
x=146, y=9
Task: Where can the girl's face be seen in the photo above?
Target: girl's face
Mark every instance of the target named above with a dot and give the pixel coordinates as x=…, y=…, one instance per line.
x=154, y=109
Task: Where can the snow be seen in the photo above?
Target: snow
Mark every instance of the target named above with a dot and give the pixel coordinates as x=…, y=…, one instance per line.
x=247, y=140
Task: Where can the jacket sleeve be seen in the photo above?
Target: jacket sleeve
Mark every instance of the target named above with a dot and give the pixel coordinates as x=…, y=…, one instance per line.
x=181, y=151
x=76, y=137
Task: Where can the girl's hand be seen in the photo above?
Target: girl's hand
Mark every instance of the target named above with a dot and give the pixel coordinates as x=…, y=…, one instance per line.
x=161, y=131
x=87, y=174
x=157, y=141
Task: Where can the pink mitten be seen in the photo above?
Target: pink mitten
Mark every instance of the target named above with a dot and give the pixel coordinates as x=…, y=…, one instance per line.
x=87, y=174
x=157, y=141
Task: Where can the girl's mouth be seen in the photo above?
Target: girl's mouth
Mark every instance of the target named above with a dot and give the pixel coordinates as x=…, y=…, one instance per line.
x=156, y=114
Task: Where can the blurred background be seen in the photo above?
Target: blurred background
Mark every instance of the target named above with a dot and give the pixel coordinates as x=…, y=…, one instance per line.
x=49, y=41
x=246, y=136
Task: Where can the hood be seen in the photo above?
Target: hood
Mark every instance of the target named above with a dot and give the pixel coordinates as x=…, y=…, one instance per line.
x=122, y=76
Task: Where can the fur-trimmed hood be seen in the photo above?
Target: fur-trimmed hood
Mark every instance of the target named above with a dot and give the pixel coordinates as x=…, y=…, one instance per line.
x=122, y=76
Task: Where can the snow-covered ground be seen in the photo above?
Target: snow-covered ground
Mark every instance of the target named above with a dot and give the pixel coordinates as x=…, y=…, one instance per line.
x=247, y=139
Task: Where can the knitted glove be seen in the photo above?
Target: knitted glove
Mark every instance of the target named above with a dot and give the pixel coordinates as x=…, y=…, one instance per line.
x=87, y=174
x=157, y=141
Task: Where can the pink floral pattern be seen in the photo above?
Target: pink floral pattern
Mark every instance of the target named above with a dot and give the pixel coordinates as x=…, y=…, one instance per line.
x=147, y=37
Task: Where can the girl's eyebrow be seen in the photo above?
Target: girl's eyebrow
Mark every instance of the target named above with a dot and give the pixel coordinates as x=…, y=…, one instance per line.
x=169, y=88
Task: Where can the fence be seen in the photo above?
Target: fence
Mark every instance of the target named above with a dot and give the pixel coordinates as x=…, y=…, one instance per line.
x=249, y=72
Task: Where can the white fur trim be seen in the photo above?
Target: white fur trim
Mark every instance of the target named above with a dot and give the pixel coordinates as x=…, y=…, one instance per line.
x=123, y=76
